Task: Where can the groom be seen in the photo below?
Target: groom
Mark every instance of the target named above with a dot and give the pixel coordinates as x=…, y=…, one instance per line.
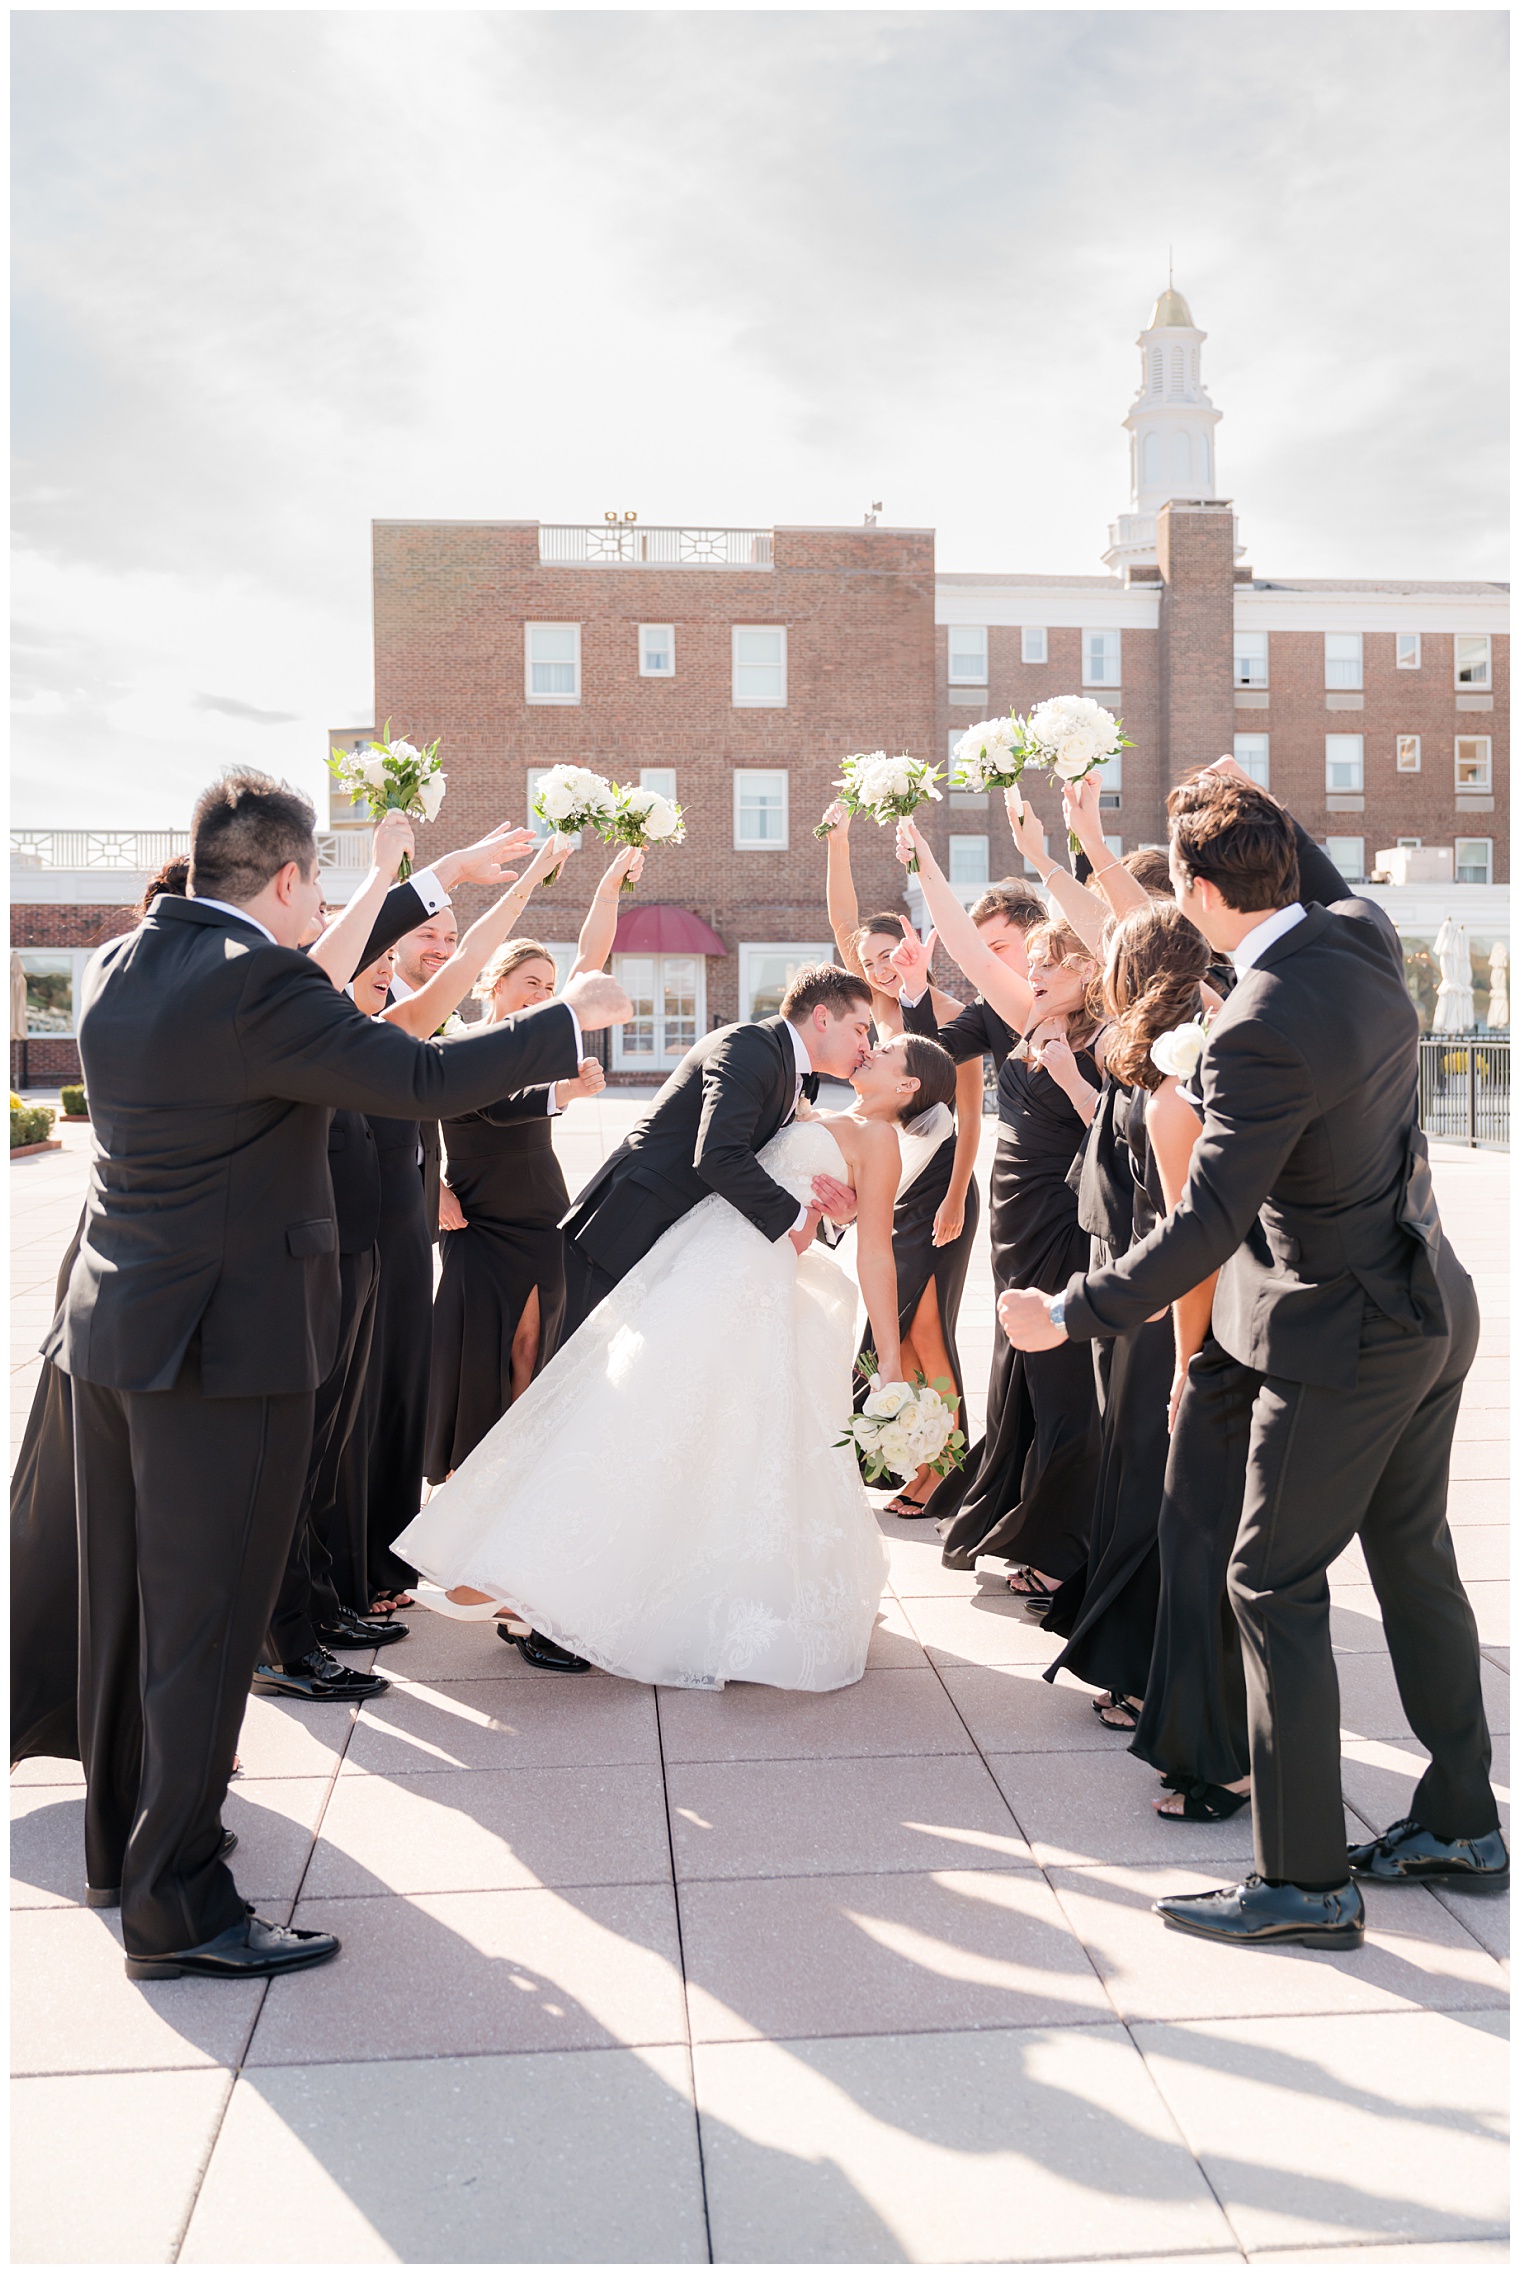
x=722, y=1105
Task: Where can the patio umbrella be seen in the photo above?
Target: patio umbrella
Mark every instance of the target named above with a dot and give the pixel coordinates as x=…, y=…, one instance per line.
x=1454, y=996
x=1498, y=987
x=18, y=998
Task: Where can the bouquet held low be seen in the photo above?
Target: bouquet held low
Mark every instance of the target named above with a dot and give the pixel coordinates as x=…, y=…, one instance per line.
x=903, y=1426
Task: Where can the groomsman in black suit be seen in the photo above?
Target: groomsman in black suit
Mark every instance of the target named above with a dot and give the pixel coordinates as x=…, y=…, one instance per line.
x=1344, y=1326
x=200, y=1317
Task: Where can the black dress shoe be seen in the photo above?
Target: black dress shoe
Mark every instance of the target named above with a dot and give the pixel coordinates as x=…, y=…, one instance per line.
x=540, y=1651
x=348, y=1631
x=319, y=1677
x=1255, y=1913
x=253, y=1947
x=1407, y=1854
x=109, y=1898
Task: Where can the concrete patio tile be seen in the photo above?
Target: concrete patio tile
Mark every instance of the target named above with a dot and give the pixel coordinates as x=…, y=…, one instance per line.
x=895, y=1710
x=566, y=2158
x=104, y=2169
x=284, y=1737
x=1497, y=1655
x=918, y=1567
x=1488, y=1597
x=880, y=1954
x=1482, y=1552
x=1077, y=1808
x=1013, y=1709
x=1392, y=2255
x=993, y=2146
x=1370, y=1704
x=978, y=1631
x=43, y=1769
x=1346, y=2127
x=481, y=1828
x=73, y=2008
x=1486, y=1917
x=1479, y=1459
x=1356, y=1625
x=893, y=1642
x=1481, y=1424
x=447, y=1650
x=531, y=1971
x=1415, y=1955
x=1378, y=1777
x=1479, y=1502
x=274, y=1818
x=776, y=1819
x=422, y=1726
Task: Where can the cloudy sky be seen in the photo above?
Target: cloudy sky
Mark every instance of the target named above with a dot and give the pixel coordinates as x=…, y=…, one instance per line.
x=280, y=273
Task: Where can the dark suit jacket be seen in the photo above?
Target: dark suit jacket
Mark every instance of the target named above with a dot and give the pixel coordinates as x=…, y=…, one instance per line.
x=215, y=1056
x=726, y=1099
x=352, y=1161
x=1309, y=1188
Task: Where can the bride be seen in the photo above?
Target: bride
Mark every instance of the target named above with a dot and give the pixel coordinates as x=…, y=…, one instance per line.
x=669, y=1498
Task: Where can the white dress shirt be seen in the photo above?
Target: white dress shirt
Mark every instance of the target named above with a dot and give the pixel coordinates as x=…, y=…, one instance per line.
x=227, y=909
x=804, y=1066
x=1261, y=936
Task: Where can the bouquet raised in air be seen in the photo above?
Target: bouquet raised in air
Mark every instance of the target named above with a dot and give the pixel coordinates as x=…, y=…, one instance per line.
x=991, y=756
x=888, y=789
x=644, y=817
x=391, y=776
x=904, y=1425
x=1070, y=736
x=572, y=798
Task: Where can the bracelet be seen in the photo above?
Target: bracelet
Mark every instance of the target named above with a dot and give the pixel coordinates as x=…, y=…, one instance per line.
x=1107, y=865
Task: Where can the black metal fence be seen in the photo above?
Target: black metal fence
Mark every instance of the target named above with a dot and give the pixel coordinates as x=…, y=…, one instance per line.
x=1464, y=1088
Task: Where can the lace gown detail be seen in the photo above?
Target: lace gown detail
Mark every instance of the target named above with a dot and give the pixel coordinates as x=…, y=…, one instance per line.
x=667, y=1498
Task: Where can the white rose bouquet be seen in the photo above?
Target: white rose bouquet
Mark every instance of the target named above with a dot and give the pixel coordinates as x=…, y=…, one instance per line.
x=1180, y=1048
x=572, y=798
x=903, y=1425
x=1069, y=736
x=392, y=776
x=888, y=789
x=643, y=817
x=991, y=756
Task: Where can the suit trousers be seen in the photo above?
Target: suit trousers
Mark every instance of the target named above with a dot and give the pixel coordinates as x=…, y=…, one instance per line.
x=586, y=1285
x=307, y=1591
x=1323, y=1467
x=187, y=1505
x=339, y=1514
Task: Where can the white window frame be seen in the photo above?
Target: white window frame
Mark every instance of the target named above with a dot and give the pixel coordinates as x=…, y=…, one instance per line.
x=544, y=626
x=1473, y=686
x=1346, y=789
x=660, y=779
x=1249, y=677
x=1406, y=651
x=957, y=844
x=781, y=844
x=77, y=959
x=1343, y=663
x=799, y=952
x=1355, y=869
x=758, y=702
x=1264, y=778
x=1034, y=643
x=1406, y=754
x=1483, y=784
x=667, y=633
x=666, y=1054
x=973, y=633
x=1488, y=860
x=1104, y=633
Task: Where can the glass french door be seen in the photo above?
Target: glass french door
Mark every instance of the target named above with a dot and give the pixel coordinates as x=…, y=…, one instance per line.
x=669, y=998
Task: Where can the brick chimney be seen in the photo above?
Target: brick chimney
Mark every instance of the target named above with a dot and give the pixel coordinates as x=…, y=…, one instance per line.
x=1195, y=544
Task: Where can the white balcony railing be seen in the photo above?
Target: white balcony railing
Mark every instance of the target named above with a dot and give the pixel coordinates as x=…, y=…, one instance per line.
x=620, y=544
x=140, y=851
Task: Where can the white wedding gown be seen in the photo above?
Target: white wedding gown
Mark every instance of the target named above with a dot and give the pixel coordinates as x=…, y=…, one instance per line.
x=668, y=1499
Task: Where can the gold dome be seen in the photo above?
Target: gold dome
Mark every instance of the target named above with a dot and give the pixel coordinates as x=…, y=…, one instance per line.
x=1171, y=310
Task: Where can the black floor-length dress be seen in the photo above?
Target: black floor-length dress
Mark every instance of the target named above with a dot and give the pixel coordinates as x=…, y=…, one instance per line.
x=393, y=1425
x=505, y=1173
x=1027, y=1487
x=1108, y=1610
x=45, y=1569
x=918, y=1260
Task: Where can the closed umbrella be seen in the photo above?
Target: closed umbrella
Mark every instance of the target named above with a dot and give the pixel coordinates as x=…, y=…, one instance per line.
x=18, y=998
x=1454, y=996
x=1498, y=987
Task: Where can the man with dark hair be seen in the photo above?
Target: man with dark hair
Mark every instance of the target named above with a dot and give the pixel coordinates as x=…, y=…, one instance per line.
x=199, y=1318
x=1343, y=1329
x=725, y=1101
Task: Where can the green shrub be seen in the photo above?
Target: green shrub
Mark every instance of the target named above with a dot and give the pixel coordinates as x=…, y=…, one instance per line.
x=30, y=1124
x=72, y=1096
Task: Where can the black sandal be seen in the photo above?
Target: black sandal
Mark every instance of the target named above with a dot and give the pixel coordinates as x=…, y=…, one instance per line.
x=1202, y=1802
x=1034, y=1592
x=903, y=1506
x=1114, y=1703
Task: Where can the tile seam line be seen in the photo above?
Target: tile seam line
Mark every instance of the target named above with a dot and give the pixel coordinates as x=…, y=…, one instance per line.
x=691, y=2051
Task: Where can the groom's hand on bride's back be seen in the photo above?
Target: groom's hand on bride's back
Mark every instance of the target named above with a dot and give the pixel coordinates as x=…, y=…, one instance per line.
x=835, y=1200
x=597, y=1000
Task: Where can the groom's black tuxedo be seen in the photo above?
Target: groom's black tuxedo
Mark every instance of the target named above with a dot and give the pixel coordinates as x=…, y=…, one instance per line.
x=727, y=1098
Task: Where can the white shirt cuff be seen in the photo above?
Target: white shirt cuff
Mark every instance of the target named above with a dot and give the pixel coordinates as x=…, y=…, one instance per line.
x=428, y=890
x=552, y=1105
x=579, y=1044
x=911, y=1002
x=801, y=1223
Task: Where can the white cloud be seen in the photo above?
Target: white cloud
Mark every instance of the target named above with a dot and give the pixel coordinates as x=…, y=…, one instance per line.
x=278, y=274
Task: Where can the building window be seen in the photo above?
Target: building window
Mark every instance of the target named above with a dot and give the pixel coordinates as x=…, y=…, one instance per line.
x=1343, y=659
x=1115, y=846
x=1034, y=644
x=1100, y=659
x=1343, y=762
x=552, y=657
x=1250, y=659
x=1406, y=753
x=1473, y=663
x=1475, y=860
x=660, y=779
x=1254, y=751
x=768, y=967
x=51, y=977
x=657, y=651
x=760, y=816
x=1406, y=651
x=669, y=998
x=760, y=666
x=968, y=860
x=1346, y=854
x=968, y=657
x=1475, y=765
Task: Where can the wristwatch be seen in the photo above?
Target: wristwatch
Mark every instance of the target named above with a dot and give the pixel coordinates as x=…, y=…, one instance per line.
x=1058, y=1312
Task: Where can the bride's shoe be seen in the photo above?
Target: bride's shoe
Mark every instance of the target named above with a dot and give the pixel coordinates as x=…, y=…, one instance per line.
x=431, y=1598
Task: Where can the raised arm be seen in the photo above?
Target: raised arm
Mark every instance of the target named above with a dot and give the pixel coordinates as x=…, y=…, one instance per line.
x=1087, y=914
x=1084, y=818
x=600, y=928
x=839, y=887
x=1004, y=989
x=425, y=1012
x=340, y=950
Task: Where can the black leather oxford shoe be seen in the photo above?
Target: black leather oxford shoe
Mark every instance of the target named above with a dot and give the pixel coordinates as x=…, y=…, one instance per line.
x=540, y=1651
x=253, y=1947
x=320, y=1678
x=109, y=1898
x=1254, y=1913
x=1407, y=1854
x=348, y=1631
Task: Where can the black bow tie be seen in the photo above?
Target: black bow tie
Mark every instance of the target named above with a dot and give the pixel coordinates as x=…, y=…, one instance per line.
x=810, y=1088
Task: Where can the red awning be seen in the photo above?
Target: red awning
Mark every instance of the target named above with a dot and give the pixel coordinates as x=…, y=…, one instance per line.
x=663, y=930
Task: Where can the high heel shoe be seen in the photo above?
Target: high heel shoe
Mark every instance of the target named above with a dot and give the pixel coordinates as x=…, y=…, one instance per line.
x=431, y=1598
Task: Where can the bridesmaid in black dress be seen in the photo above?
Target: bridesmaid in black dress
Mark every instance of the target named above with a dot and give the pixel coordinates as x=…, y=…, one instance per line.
x=500, y=1302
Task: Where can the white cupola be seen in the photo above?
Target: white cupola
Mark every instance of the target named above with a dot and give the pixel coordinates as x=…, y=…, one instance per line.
x=1171, y=426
